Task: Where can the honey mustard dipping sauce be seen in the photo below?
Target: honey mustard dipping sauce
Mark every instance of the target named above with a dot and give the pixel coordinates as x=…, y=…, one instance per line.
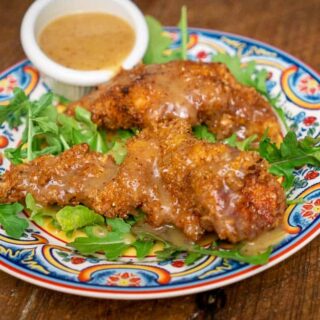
x=87, y=41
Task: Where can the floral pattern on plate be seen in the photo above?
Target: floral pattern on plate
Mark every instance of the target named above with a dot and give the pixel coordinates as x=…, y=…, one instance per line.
x=43, y=259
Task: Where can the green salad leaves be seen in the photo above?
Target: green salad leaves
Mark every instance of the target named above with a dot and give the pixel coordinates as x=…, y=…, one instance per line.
x=117, y=146
x=48, y=131
x=196, y=252
x=67, y=219
x=117, y=237
x=37, y=212
x=13, y=225
x=110, y=236
x=250, y=76
x=291, y=154
x=183, y=26
x=159, y=41
x=284, y=160
x=112, y=243
x=243, y=145
x=112, y=240
x=247, y=75
x=202, y=132
x=17, y=109
x=73, y=218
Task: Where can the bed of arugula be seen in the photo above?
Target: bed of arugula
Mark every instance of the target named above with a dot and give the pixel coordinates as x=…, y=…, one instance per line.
x=48, y=131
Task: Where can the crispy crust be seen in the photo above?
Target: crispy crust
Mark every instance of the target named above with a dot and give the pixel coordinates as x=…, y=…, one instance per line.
x=199, y=92
x=175, y=178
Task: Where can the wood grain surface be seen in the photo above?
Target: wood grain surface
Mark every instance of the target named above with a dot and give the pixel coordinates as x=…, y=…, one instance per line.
x=290, y=290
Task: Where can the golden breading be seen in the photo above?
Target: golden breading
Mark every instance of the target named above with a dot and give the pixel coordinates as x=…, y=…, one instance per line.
x=199, y=92
x=73, y=177
x=175, y=178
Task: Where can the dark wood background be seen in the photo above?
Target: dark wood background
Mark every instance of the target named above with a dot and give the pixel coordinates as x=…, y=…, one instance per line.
x=290, y=290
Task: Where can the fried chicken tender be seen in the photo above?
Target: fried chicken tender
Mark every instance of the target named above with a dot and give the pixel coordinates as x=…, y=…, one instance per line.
x=175, y=179
x=75, y=176
x=199, y=92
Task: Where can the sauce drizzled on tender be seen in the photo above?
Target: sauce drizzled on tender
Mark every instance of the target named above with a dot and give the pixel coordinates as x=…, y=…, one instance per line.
x=166, y=232
x=87, y=41
x=83, y=177
x=263, y=242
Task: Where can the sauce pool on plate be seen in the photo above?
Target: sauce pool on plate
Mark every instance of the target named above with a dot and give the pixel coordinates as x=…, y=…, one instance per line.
x=87, y=41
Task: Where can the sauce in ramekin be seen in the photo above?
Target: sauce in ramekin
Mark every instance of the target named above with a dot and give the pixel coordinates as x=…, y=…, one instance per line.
x=87, y=41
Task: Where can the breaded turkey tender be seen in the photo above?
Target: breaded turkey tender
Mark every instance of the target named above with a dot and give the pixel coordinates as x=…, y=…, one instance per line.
x=175, y=178
x=201, y=93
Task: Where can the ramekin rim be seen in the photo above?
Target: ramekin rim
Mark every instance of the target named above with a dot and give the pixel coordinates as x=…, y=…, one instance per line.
x=77, y=77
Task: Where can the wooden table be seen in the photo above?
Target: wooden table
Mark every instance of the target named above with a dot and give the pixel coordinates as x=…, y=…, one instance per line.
x=290, y=290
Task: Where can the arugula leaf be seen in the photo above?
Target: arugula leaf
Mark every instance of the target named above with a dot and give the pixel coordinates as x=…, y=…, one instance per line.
x=243, y=145
x=90, y=245
x=99, y=231
x=168, y=253
x=16, y=110
x=30, y=134
x=183, y=25
x=98, y=143
x=119, y=225
x=118, y=152
x=117, y=145
x=72, y=218
x=125, y=134
x=44, y=106
x=38, y=212
x=247, y=75
x=81, y=129
x=40, y=125
x=250, y=76
x=61, y=99
x=158, y=43
x=202, y=132
x=48, y=132
x=113, y=243
x=143, y=247
x=11, y=223
x=114, y=251
x=194, y=252
x=235, y=254
x=46, y=125
x=197, y=251
x=296, y=201
x=290, y=155
x=192, y=257
x=15, y=155
x=84, y=116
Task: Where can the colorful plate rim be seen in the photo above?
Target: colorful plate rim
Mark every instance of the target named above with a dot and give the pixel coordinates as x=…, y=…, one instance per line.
x=153, y=293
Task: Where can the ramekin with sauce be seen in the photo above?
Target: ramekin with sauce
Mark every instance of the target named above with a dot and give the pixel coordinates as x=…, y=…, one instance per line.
x=79, y=44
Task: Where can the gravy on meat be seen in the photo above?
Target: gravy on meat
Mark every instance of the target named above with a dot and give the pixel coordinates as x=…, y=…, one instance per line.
x=264, y=241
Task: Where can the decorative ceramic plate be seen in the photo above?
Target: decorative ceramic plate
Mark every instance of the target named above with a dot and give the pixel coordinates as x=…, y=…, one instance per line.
x=42, y=258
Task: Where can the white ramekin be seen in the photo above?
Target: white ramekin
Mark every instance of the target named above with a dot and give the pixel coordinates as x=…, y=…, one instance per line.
x=69, y=82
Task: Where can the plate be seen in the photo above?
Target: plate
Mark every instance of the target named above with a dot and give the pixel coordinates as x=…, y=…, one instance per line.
x=42, y=258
